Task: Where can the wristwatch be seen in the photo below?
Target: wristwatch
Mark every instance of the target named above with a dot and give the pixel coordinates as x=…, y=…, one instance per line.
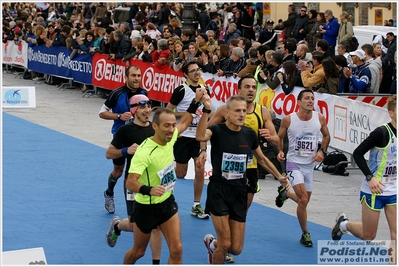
x=202, y=150
x=118, y=116
x=368, y=177
x=324, y=151
x=204, y=110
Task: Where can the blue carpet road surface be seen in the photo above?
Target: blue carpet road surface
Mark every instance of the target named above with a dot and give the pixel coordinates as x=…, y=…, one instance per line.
x=53, y=188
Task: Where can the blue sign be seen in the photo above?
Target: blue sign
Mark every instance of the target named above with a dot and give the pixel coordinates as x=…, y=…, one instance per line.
x=55, y=61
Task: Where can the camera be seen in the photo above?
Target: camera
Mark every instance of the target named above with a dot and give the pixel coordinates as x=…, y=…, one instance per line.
x=256, y=62
x=338, y=169
x=178, y=60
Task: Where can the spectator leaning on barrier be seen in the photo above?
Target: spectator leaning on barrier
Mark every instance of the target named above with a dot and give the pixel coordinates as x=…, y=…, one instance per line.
x=290, y=77
x=60, y=39
x=235, y=65
x=269, y=76
x=123, y=45
x=312, y=77
x=359, y=79
x=161, y=58
x=133, y=51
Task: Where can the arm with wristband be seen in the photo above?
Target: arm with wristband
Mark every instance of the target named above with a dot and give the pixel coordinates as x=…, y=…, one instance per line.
x=187, y=117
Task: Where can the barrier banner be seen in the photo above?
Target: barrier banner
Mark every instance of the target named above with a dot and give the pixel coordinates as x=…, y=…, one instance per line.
x=352, y=121
x=109, y=74
x=15, y=54
x=55, y=61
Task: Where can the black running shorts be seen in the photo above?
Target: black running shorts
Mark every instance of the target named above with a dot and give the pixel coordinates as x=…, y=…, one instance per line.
x=148, y=217
x=185, y=148
x=119, y=161
x=224, y=199
x=252, y=177
x=129, y=203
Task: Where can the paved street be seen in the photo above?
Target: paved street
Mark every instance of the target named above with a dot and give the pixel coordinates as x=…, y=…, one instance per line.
x=67, y=112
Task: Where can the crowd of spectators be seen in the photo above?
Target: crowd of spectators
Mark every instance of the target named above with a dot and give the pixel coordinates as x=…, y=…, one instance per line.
x=228, y=40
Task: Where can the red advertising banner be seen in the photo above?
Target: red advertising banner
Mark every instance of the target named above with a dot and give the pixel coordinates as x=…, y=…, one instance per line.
x=109, y=74
x=159, y=82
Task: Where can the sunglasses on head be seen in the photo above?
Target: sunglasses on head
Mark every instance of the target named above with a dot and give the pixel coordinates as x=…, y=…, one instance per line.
x=141, y=103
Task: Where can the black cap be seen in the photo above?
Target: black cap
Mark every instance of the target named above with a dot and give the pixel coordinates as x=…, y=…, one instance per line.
x=269, y=21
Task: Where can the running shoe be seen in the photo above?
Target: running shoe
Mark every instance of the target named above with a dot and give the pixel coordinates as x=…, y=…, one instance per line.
x=280, y=199
x=229, y=258
x=336, y=232
x=306, y=241
x=208, y=239
x=257, y=187
x=109, y=203
x=111, y=237
x=199, y=212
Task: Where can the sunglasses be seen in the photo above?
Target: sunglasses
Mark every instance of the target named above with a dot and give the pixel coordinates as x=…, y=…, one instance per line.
x=142, y=103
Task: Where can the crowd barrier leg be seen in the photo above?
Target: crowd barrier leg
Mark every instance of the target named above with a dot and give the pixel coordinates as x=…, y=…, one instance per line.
x=90, y=93
x=68, y=85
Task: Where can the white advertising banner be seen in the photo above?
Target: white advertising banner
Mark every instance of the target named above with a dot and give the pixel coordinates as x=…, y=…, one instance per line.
x=15, y=54
x=352, y=121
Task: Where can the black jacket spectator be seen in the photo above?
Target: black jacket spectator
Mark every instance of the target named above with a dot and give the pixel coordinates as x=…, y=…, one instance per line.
x=107, y=21
x=203, y=19
x=269, y=36
x=390, y=43
x=60, y=39
x=164, y=13
x=123, y=46
x=290, y=22
x=300, y=23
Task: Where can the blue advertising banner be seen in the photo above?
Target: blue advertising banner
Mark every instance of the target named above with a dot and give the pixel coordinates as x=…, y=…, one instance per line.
x=55, y=61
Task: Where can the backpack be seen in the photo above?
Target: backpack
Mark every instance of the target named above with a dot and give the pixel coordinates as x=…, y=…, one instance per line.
x=27, y=75
x=331, y=163
x=354, y=43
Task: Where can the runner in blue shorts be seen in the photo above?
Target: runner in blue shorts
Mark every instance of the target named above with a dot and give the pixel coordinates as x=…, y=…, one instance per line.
x=379, y=188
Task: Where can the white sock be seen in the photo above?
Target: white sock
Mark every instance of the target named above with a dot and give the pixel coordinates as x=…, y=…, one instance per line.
x=212, y=244
x=342, y=225
x=195, y=204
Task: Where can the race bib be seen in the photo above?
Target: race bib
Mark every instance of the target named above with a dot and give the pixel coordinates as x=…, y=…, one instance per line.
x=234, y=166
x=168, y=177
x=390, y=174
x=130, y=195
x=250, y=159
x=305, y=145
